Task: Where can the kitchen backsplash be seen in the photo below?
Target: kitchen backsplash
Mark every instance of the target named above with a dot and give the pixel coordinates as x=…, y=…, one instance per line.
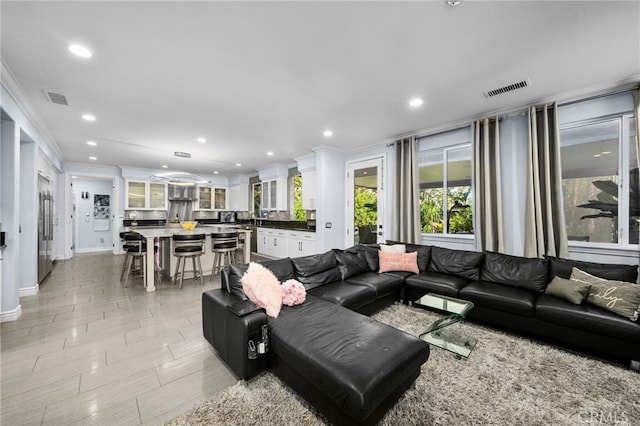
x=145, y=214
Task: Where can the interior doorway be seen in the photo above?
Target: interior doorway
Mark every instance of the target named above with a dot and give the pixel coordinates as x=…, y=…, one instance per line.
x=365, y=201
x=91, y=207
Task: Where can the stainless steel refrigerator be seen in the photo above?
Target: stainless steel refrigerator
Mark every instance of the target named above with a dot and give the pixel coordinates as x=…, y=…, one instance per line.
x=45, y=228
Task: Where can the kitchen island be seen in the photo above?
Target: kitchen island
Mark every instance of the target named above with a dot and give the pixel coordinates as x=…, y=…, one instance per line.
x=151, y=233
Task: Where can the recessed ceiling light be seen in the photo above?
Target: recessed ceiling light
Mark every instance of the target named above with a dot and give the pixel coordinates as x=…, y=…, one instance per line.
x=88, y=117
x=215, y=172
x=164, y=166
x=606, y=152
x=238, y=164
x=202, y=140
x=93, y=158
x=328, y=133
x=597, y=155
x=79, y=50
x=416, y=102
x=92, y=143
x=270, y=153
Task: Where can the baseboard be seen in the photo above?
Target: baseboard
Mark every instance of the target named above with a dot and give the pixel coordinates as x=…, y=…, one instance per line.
x=11, y=315
x=93, y=250
x=29, y=291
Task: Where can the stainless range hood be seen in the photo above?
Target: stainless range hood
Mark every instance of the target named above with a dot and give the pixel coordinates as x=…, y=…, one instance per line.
x=182, y=192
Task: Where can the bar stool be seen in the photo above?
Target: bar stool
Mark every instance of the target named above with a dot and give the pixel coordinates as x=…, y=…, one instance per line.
x=129, y=240
x=188, y=245
x=223, y=246
x=136, y=250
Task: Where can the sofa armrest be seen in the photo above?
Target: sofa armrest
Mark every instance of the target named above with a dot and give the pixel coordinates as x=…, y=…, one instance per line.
x=237, y=330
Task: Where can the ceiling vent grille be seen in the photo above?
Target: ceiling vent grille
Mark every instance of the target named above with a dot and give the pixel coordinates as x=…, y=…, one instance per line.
x=510, y=88
x=182, y=154
x=56, y=98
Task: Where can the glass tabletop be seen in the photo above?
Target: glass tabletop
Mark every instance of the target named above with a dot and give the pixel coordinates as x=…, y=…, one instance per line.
x=439, y=333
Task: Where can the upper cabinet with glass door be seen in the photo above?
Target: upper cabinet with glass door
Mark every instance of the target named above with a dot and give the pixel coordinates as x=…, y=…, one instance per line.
x=146, y=195
x=211, y=198
x=274, y=194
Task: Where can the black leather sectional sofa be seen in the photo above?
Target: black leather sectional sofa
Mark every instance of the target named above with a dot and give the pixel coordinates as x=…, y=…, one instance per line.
x=310, y=346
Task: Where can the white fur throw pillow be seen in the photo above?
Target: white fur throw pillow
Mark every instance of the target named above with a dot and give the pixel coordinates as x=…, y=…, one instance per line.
x=263, y=288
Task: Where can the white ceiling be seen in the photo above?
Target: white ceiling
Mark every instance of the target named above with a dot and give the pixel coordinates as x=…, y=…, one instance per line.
x=254, y=77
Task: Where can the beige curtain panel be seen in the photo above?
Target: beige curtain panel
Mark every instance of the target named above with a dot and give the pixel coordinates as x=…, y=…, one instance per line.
x=405, y=211
x=487, y=182
x=636, y=112
x=545, y=232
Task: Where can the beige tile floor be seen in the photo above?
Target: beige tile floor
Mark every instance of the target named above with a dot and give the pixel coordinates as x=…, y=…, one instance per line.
x=86, y=350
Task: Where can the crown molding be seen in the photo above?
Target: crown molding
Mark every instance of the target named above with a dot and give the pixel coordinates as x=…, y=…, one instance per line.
x=18, y=94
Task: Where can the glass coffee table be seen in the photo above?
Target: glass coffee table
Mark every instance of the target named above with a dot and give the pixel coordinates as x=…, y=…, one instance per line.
x=439, y=333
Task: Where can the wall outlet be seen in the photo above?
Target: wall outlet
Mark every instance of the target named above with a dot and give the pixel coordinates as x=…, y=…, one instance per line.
x=328, y=225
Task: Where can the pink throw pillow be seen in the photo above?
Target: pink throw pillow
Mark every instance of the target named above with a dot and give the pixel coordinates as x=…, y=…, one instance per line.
x=407, y=262
x=293, y=292
x=263, y=288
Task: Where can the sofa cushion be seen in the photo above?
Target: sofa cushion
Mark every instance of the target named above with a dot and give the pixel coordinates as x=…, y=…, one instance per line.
x=500, y=297
x=350, y=263
x=462, y=263
x=383, y=284
x=281, y=268
x=234, y=280
x=562, y=268
x=350, y=296
x=616, y=296
x=355, y=361
x=586, y=317
x=392, y=261
x=424, y=253
x=370, y=255
x=528, y=273
x=434, y=282
x=317, y=269
x=572, y=291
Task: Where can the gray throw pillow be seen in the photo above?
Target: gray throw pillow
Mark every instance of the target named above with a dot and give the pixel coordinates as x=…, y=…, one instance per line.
x=617, y=296
x=573, y=291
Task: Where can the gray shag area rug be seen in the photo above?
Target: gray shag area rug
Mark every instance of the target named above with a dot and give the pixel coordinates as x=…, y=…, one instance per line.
x=507, y=380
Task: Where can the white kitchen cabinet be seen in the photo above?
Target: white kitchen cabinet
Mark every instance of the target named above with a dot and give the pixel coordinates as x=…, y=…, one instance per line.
x=274, y=194
x=301, y=243
x=262, y=241
x=142, y=195
x=309, y=190
x=279, y=243
x=210, y=198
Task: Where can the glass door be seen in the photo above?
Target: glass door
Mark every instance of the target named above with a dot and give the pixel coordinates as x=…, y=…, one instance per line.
x=365, y=202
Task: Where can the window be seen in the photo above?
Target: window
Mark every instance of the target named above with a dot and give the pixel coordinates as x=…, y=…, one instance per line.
x=446, y=195
x=600, y=180
x=298, y=213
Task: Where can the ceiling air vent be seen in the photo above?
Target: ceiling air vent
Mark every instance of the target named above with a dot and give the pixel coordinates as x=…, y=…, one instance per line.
x=182, y=154
x=56, y=98
x=509, y=88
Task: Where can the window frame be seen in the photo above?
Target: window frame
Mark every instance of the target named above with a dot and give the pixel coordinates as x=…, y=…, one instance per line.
x=444, y=151
x=624, y=131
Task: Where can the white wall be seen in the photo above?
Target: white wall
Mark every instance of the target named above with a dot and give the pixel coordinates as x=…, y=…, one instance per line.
x=29, y=210
x=9, y=215
x=330, y=174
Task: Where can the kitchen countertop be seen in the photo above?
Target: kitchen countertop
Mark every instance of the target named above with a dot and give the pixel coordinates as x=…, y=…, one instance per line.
x=166, y=231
